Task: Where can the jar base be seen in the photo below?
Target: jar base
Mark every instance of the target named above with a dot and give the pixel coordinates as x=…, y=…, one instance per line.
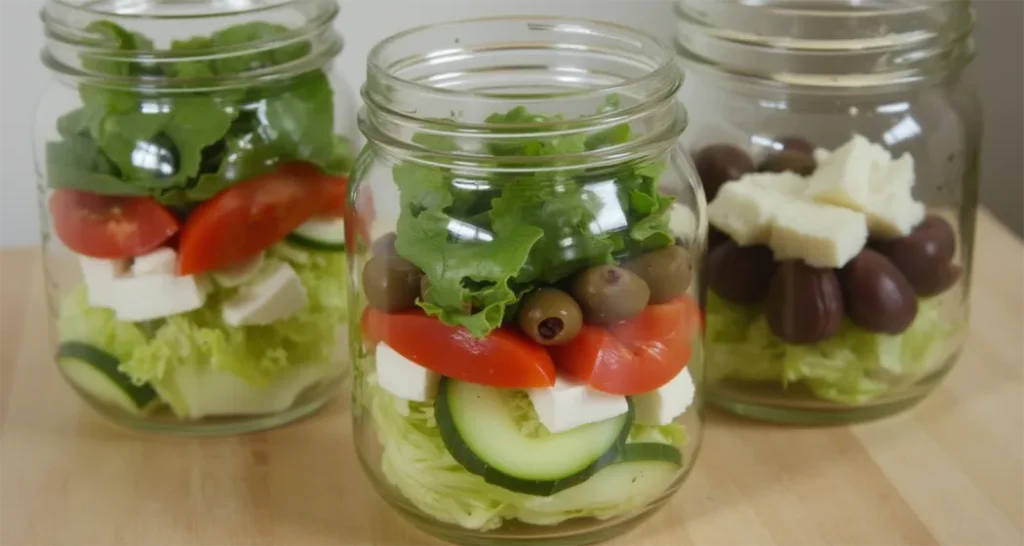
x=588, y=531
x=574, y=532
x=224, y=426
x=769, y=402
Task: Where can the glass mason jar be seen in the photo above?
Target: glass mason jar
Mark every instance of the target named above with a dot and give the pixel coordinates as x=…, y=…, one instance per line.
x=192, y=161
x=838, y=146
x=527, y=343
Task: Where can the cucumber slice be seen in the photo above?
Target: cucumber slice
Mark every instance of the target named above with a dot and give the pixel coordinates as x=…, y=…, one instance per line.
x=95, y=371
x=481, y=435
x=320, y=234
x=642, y=473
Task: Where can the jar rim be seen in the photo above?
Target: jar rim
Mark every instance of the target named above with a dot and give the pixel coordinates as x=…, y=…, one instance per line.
x=91, y=9
x=834, y=46
x=648, y=45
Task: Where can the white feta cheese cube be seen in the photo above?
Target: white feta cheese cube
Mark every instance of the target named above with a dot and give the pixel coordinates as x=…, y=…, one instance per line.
x=98, y=275
x=682, y=222
x=160, y=261
x=277, y=295
x=844, y=177
x=745, y=211
x=569, y=404
x=786, y=183
x=893, y=211
x=667, y=402
x=403, y=377
x=820, y=235
x=154, y=296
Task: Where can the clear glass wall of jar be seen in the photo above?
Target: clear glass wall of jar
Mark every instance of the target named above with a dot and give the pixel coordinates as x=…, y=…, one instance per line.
x=192, y=161
x=838, y=147
x=528, y=352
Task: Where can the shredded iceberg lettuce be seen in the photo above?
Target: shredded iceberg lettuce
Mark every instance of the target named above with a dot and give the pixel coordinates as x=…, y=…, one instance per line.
x=416, y=461
x=151, y=352
x=852, y=367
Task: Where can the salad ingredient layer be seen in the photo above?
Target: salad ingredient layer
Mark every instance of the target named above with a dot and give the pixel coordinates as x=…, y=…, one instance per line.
x=198, y=363
x=524, y=338
x=207, y=224
x=827, y=250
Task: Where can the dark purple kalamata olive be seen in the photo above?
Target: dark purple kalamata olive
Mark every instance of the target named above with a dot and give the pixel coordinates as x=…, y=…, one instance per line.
x=923, y=256
x=740, y=273
x=715, y=237
x=789, y=160
x=720, y=163
x=877, y=296
x=805, y=304
x=796, y=144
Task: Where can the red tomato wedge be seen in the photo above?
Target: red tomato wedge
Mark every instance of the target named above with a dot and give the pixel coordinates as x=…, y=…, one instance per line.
x=252, y=215
x=105, y=226
x=660, y=321
x=635, y=356
x=503, y=359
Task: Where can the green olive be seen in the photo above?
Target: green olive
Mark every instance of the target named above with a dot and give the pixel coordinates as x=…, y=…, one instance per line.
x=667, y=272
x=608, y=293
x=391, y=283
x=550, y=316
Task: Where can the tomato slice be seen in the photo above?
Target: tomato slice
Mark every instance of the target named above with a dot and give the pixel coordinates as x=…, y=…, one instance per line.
x=503, y=359
x=659, y=321
x=635, y=356
x=248, y=217
x=111, y=227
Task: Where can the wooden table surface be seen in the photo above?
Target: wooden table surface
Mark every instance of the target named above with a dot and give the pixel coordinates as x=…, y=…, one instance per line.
x=949, y=471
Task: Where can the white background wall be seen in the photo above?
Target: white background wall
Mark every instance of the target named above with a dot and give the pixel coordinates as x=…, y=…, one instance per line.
x=364, y=22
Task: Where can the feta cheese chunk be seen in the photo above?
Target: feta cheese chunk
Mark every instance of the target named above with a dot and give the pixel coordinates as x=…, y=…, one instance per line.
x=160, y=261
x=682, y=222
x=820, y=235
x=569, y=404
x=277, y=295
x=99, y=274
x=845, y=177
x=787, y=183
x=403, y=377
x=150, y=297
x=667, y=402
x=893, y=211
x=744, y=211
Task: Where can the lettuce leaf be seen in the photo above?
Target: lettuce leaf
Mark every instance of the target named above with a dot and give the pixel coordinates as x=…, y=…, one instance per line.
x=416, y=461
x=853, y=367
x=152, y=352
x=483, y=242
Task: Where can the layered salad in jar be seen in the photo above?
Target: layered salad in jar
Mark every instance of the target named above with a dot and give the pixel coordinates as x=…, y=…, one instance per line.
x=825, y=273
x=207, y=226
x=527, y=339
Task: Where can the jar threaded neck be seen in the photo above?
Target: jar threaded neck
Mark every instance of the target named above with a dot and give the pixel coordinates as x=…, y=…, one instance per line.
x=566, y=77
x=829, y=45
x=196, y=45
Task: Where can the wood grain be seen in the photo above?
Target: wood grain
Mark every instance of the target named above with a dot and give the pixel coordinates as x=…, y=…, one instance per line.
x=950, y=471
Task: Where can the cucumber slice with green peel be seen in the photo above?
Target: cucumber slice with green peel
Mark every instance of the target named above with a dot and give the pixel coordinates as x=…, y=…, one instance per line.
x=642, y=473
x=481, y=434
x=320, y=234
x=95, y=371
